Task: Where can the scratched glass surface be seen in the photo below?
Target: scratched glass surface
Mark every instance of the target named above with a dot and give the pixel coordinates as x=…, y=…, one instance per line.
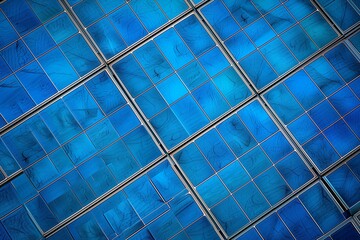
x=268, y=38
x=320, y=106
x=181, y=81
x=72, y=152
x=41, y=53
x=155, y=206
x=116, y=25
x=243, y=167
x=307, y=216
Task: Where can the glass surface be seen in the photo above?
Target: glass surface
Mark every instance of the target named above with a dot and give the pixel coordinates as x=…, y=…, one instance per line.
x=243, y=167
x=181, y=83
x=268, y=38
x=179, y=119
x=41, y=53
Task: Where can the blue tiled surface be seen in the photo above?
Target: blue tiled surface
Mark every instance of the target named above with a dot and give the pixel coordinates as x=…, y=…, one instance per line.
x=243, y=167
x=155, y=206
x=320, y=106
x=116, y=25
x=268, y=38
x=72, y=152
x=233, y=120
x=181, y=83
x=40, y=50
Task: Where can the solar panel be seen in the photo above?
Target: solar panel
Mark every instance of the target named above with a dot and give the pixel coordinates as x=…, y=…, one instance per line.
x=179, y=119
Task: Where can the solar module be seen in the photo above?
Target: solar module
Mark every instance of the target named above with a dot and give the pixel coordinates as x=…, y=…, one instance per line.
x=179, y=119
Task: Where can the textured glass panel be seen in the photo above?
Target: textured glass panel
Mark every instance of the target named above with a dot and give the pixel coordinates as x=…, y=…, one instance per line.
x=321, y=90
x=300, y=32
x=74, y=151
x=258, y=172
x=189, y=89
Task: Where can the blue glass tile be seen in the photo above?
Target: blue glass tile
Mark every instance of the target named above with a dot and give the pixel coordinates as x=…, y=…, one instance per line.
x=342, y=12
x=321, y=152
x=346, y=184
x=258, y=121
x=109, y=5
x=307, y=92
x=194, y=35
x=272, y=185
x=318, y=29
x=173, y=48
x=299, y=221
x=193, y=75
x=321, y=110
x=169, y=128
x=303, y=122
x=243, y=11
x=347, y=231
x=278, y=56
x=39, y=41
x=149, y=13
x=324, y=75
x=58, y=68
x=88, y=11
x=274, y=228
x=291, y=164
x=300, y=8
x=280, y=19
x=20, y=226
x=344, y=62
x=107, y=38
x=215, y=150
x=213, y=67
x=76, y=47
x=344, y=101
x=251, y=200
x=212, y=191
x=45, y=9
x=61, y=28
x=210, y=100
x=102, y=134
x=240, y=52
x=220, y=19
x=236, y=135
x=251, y=234
x=260, y=76
x=172, y=89
x=321, y=207
x=83, y=107
x=189, y=114
x=124, y=120
x=128, y=25
x=8, y=33
x=173, y=8
x=255, y=161
x=232, y=86
x=298, y=42
x=230, y=216
x=260, y=32
x=201, y=229
x=265, y=6
x=151, y=102
x=20, y=15
x=17, y=55
x=234, y=176
x=14, y=100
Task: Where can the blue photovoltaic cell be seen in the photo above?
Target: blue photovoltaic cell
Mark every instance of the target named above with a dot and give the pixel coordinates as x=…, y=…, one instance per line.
x=307, y=216
x=345, y=181
x=243, y=167
x=267, y=39
x=41, y=53
x=115, y=25
x=72, y=152
x=155, y=206
x=319, y=106
x=345, y=13
x=177, y=84
x=84, y=157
